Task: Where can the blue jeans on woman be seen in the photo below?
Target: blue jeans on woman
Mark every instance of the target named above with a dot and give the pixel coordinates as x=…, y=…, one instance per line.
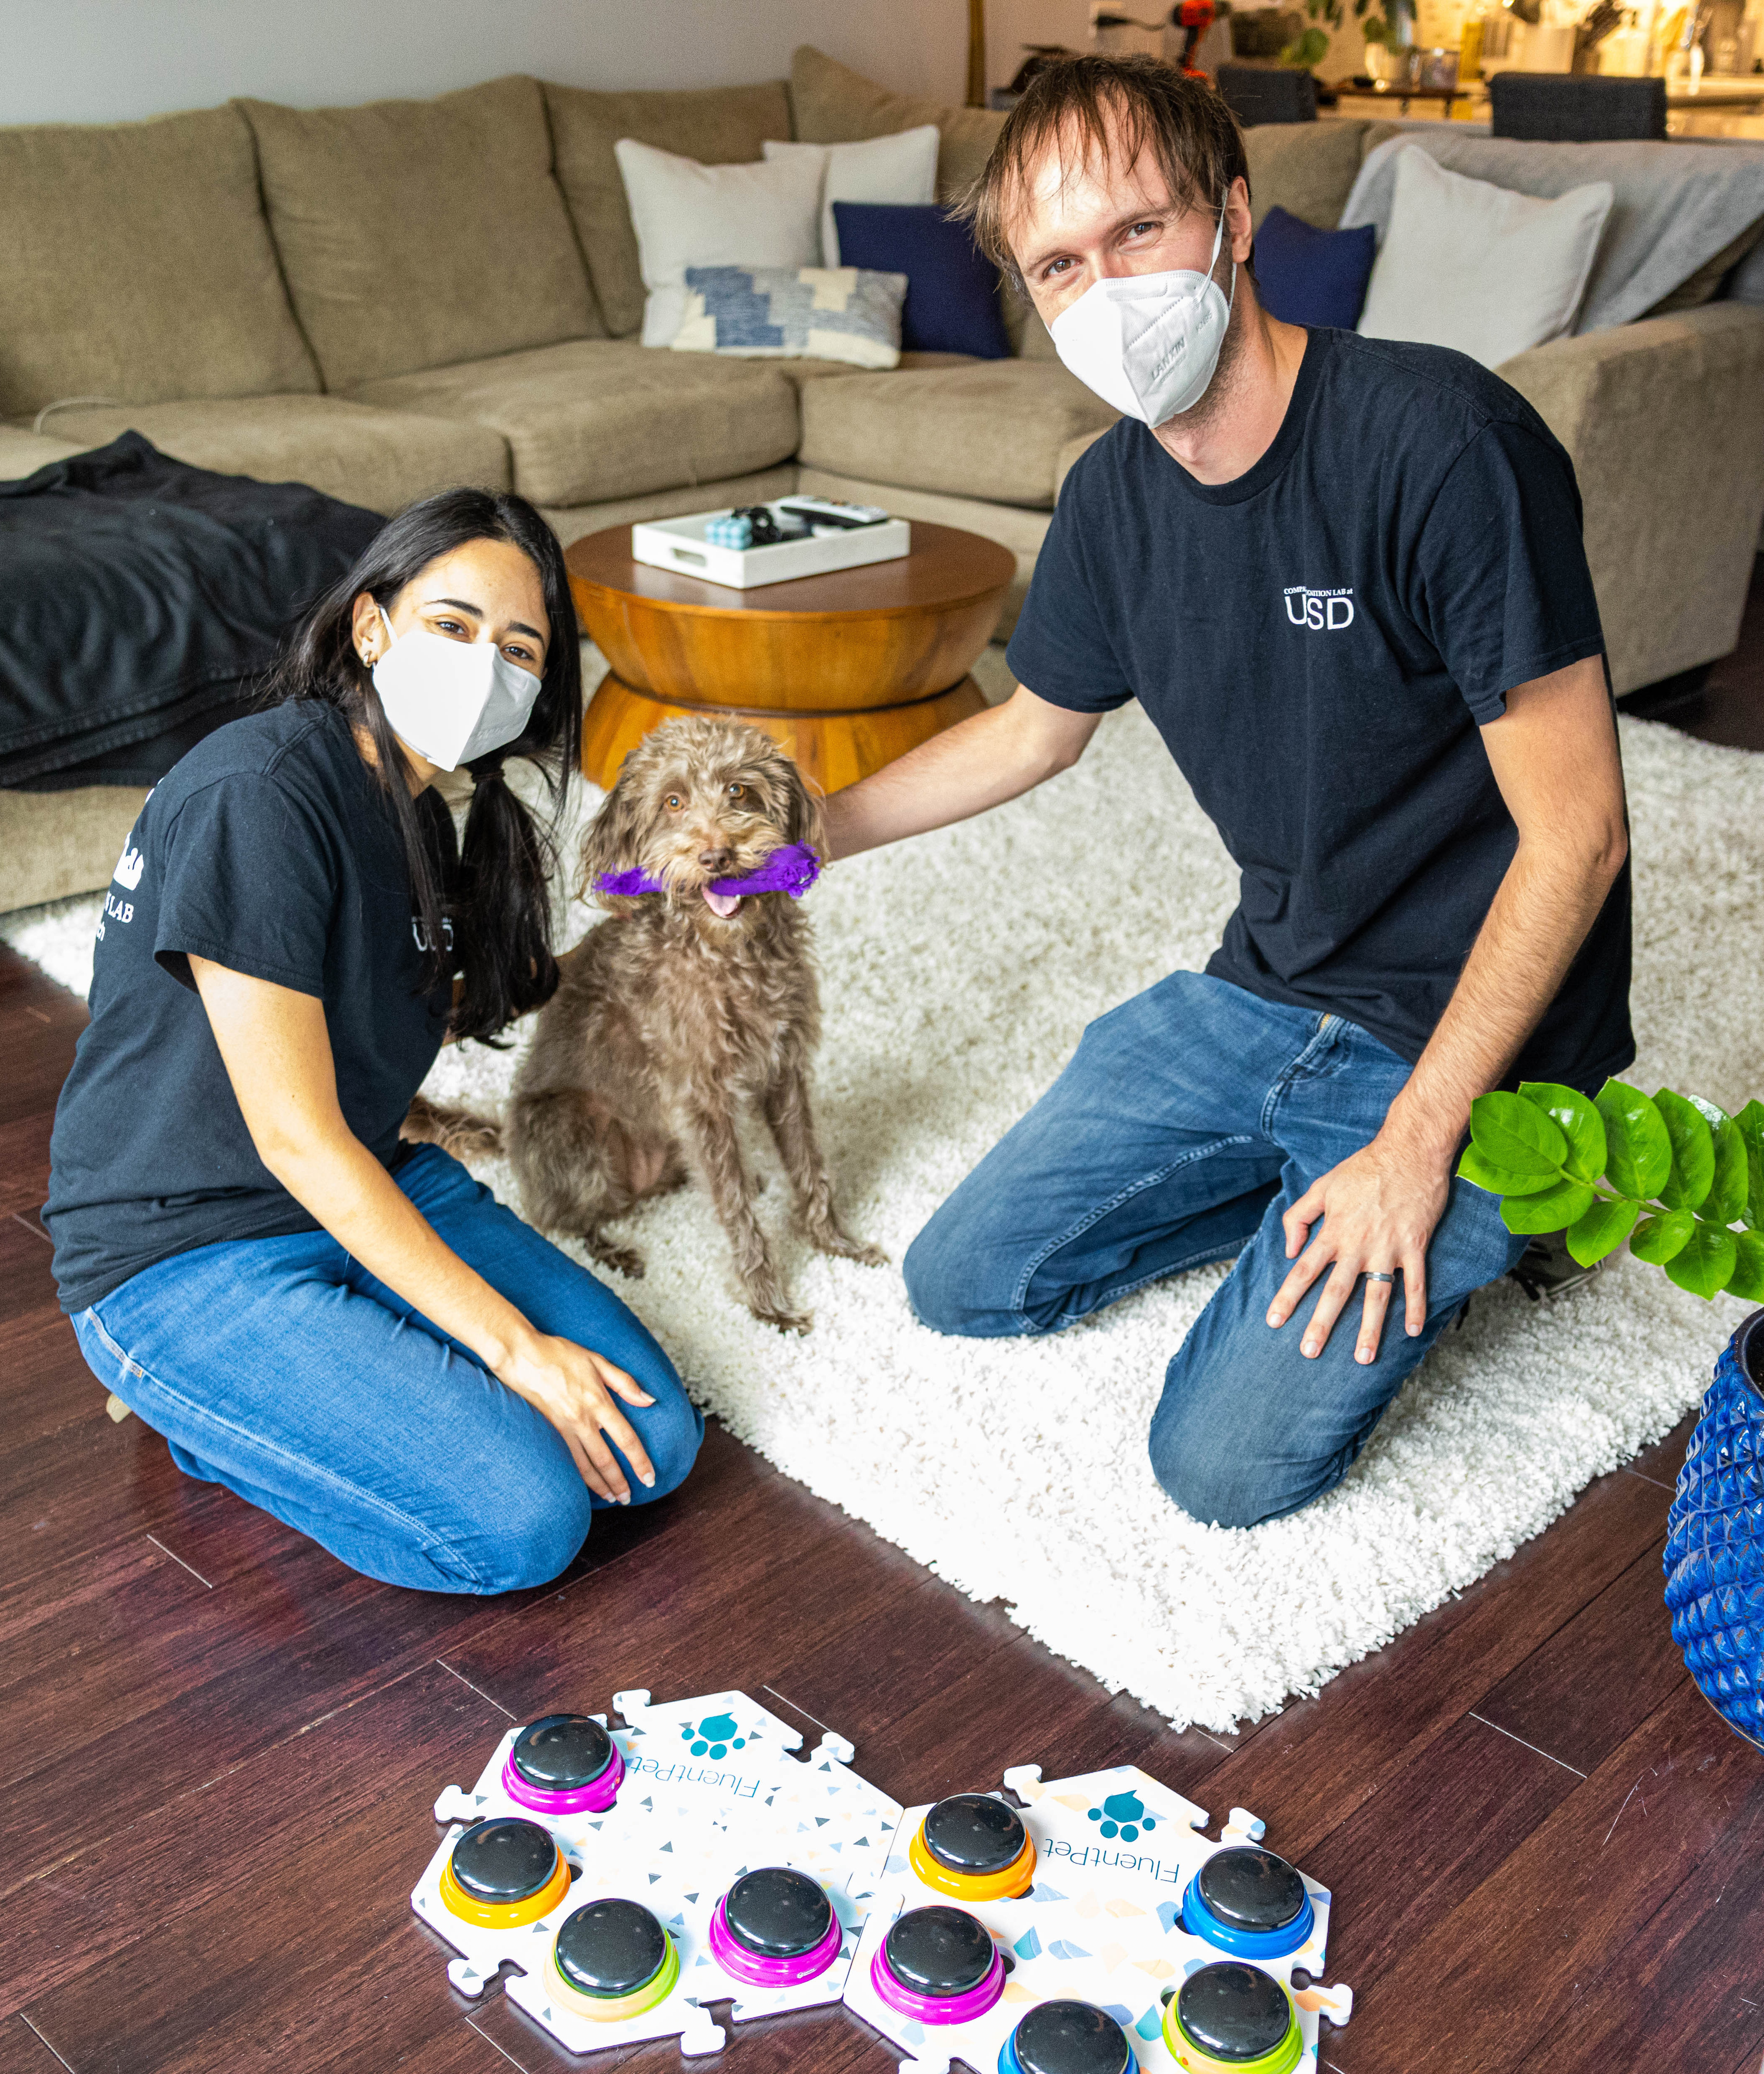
x=282, y=1368
x=1189, y=1120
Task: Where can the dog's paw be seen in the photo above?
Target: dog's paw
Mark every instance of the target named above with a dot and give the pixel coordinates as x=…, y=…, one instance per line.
x=843, y=1247
x=624, y=1260
x=797, y=1322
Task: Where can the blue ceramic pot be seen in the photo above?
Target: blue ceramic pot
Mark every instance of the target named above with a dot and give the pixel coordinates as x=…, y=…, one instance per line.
x=1715, y=1539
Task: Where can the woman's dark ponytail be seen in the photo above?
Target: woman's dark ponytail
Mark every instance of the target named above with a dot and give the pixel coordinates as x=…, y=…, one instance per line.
x=484, y=918
x=506, y=960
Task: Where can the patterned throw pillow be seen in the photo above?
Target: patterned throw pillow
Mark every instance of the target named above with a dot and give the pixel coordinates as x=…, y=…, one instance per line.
x=794, y=312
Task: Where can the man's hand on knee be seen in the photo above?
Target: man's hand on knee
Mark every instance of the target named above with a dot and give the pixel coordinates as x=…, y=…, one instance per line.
x=1379, y=1209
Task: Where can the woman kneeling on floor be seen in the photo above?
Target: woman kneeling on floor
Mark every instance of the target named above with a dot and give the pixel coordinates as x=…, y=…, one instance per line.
x=344, y=1329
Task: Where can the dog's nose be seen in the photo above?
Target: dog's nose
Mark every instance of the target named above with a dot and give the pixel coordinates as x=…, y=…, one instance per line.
x=715, y=860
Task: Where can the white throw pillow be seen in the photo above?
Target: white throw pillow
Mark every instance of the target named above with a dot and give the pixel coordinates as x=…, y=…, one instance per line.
x=1477, y=267
x=902, y=169
x=689, y=215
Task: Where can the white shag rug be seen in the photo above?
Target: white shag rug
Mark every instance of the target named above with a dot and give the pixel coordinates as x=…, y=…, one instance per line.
x=958, y=972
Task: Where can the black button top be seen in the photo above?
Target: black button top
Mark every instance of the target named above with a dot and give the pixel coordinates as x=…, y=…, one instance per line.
x=562, y=1752
x=1251, y=1889
x=1071, y=2037
x=777, y=1912
x=938, y=1951
x=972, y=1833
x=1233, y=2011
x=504, y=1859
x=611, y=1947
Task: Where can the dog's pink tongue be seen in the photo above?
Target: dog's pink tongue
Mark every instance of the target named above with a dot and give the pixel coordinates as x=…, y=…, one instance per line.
x=721, y=904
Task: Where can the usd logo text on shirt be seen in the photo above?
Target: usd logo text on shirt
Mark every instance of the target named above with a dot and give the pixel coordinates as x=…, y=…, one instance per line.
x=1325, y=611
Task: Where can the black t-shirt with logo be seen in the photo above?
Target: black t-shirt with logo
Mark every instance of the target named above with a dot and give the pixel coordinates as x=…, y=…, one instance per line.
x=1319, y=643
x=270, y=849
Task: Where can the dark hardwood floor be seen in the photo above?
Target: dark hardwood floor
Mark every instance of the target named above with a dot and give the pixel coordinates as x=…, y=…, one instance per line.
x=220, y=1747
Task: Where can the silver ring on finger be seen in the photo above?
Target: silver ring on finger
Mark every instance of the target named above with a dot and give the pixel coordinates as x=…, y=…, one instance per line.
x=1373, y=1276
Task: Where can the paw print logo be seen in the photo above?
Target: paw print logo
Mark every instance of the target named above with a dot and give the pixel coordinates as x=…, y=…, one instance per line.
x=714, y=1736
x=1123, y=1814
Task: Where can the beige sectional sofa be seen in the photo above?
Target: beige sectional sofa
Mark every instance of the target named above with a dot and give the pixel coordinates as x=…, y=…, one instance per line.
x=382, y=299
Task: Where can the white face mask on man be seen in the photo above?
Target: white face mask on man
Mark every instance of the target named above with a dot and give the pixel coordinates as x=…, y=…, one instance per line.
x=452, y=700
x=1148, y=343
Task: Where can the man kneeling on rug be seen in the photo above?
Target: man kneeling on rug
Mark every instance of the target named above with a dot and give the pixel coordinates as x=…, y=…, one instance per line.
x=1344, y=577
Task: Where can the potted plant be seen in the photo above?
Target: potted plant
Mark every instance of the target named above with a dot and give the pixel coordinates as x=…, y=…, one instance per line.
x=1390, y=35
x=1682, y=1182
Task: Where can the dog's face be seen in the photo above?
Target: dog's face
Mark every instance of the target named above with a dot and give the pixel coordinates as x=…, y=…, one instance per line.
x=698, y=800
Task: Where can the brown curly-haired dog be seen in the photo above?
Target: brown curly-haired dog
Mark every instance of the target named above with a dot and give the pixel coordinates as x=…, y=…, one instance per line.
x=679, y=1008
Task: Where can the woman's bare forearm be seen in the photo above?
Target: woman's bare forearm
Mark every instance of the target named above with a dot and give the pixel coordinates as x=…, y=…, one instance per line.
x=980, y=763
x=336, y=1180
x=276, y=1052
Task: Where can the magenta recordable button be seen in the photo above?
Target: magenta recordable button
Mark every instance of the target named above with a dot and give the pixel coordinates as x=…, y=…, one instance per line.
x=938, y=1965
x=563, y=1764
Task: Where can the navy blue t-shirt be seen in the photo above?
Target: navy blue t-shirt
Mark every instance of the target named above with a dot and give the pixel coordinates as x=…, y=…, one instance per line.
x=1319, y=643
x=270, y=849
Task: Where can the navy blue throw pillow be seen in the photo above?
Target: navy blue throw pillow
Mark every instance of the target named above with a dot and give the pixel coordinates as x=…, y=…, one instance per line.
x=1308, y=276
x=952, y=289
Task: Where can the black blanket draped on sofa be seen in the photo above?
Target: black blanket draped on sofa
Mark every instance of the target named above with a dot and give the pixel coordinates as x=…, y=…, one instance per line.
x=142, y=603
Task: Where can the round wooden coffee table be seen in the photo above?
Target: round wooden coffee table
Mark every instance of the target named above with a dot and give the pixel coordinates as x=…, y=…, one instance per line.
x=848, y=671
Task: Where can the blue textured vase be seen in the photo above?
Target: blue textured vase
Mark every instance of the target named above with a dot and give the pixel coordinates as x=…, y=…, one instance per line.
x=1715, y=1539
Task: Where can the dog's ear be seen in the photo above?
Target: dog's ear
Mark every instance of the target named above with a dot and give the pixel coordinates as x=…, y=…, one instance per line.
x=803, y=822
x=614, y=836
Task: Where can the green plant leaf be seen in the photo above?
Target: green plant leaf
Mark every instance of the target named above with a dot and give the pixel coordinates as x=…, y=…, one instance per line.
x=1687, y=1186
x=1638, y=1153
x=1727, y=1197
x=1704, y=1265
x=1580, y=1122
x=1511, y=1132
x=1657, y=1239
x=1503, y=1181
x=1602, y=1230
x=1749, y=1123
x=1553, y=1210
x=1747, y=1279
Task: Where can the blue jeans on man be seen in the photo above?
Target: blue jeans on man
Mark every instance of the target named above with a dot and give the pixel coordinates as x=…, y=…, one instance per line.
x=282, y=1368
x=1188, y=1120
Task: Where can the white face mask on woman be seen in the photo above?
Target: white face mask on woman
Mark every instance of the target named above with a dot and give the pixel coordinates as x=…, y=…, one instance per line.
x=452, y=700
x=1148, y=343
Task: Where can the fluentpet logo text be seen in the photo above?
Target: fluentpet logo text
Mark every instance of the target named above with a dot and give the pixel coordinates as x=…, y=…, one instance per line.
x=1080, y=1855
x=664, y=1774
x=1324, y=611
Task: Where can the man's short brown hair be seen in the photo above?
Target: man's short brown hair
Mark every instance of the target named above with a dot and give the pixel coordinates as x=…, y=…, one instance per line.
x=1094, y=103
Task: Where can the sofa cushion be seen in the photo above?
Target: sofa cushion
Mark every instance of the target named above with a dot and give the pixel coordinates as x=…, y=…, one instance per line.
x=717, y=126
x=991, y=428
x=1479, y=268
x=22, y=453
x=1677, y=206
x=135, y=263
x=604, y=417
x=1308, y=169
x=689, y=215
x=951, y=301
x=380, y=459
x=832, y=104
x=414, y=234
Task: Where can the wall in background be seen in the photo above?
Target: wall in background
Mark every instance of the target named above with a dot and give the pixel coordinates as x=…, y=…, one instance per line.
x=100, y=60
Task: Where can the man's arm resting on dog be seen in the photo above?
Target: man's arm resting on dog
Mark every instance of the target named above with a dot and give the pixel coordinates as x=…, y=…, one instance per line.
x=980, y=763
x=276, y=1052
x=1554, y=755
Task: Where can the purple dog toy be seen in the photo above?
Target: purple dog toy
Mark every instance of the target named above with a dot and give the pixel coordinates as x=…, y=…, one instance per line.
x=791, y=870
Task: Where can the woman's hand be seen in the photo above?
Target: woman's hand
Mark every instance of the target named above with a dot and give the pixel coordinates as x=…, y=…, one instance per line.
x=576, y=1390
